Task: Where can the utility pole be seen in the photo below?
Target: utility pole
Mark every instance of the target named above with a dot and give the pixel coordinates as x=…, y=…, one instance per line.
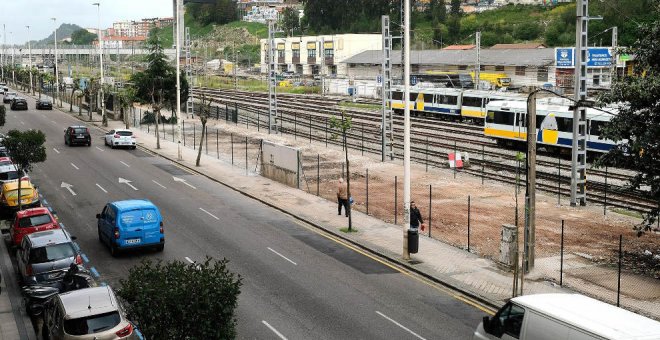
x=322, y=56
x=30, y=56
x=55, y=68
x=387, y=132
x=179, y=117
x=13, y=63
x=190, y=109
x=272, y=79
x=4, y=58
x=104, y=120
x=615, y=45
x=478, y=63
x=406, y=129
x=530, y=190
x=579, y=150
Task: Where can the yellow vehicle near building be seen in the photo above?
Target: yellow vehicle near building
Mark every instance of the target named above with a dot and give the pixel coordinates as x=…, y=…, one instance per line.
x=29, y=195
x=497, y=80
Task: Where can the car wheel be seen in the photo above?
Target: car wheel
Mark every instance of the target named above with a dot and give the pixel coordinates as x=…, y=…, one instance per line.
x=160, y=247
x=100, y=236
x=89, y=143
x=65, y=141
x=134, y=147
x=112, y=146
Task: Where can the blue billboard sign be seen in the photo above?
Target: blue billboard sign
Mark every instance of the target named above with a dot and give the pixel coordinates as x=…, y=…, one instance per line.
x=596, y=57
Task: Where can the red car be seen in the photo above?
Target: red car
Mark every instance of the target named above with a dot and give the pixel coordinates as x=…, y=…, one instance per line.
x=30, y=221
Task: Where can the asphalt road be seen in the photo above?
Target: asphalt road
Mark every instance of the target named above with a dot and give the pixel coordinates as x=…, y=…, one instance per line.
x=297, y=283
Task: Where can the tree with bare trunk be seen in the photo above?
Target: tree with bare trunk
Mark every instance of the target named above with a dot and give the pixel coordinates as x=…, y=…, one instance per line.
x=204, y=114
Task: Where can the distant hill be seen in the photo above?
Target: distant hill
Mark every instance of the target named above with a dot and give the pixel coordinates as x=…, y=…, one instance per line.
x=63, y=32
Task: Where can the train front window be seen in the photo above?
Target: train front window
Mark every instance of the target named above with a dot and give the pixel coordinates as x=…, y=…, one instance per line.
x=500, y=117
x=397, y=95
x=472, y=101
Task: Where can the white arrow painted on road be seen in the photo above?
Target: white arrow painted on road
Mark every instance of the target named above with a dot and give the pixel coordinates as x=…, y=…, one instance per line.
x=177, y=179
x=68, y=187
x=122, y=180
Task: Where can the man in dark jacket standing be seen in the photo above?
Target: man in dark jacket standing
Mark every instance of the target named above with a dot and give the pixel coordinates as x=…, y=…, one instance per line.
x=415, y=216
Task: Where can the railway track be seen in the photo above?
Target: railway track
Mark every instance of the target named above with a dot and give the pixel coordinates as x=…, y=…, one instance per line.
x=431, y=141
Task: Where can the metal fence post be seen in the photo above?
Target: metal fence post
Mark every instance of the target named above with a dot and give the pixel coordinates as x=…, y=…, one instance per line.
x=430, y=207
x=483, y=161
x=232, y=149
x=559, y=179
x=318, y=173
x=295, y=125
x=246, y=155
x=561, y=256
x=258, y=120
x=618, y=283
x=605, y=202
x=367, y=188
x=396, y=204
x=468, y=229
x=310, y=129
x=217, y=143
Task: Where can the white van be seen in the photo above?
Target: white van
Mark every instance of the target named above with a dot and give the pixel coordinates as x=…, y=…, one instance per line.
x=565, y=317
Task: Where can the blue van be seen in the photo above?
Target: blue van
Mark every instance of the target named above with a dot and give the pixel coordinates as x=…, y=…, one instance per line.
x=131, y=224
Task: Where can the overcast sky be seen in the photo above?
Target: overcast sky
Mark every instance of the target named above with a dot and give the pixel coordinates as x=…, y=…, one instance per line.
x=16, y=14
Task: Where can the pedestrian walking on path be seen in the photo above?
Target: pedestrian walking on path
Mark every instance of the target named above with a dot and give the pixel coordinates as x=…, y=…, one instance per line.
x=342, y=197
x=415, y=216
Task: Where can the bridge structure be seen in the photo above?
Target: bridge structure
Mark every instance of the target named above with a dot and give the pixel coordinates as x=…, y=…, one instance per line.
x=40, y=54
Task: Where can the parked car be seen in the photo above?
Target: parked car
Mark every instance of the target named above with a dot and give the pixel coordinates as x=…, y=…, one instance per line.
x=29, y=195
x=18, y=103
x=44, y=104
x=8, y=97
x=4, y=89
x=131, y=224
x=77, y=134
x=86, y=314
x=9, y=172
x=30, y=221
x=3, y=150
x=4, y=161
x=42, y=255
x=120, y=137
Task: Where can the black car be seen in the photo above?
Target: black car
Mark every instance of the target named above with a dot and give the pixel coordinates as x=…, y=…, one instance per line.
x=77, y=134
x=44, y=104
x=19, y=103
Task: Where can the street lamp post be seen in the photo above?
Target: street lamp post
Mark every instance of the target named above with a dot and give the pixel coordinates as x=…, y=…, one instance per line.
x=57, y=78
x=178, y=79
x=104, y=120
x=30, y=56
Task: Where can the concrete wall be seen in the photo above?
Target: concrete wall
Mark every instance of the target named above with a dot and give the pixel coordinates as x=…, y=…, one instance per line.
x=280, y=163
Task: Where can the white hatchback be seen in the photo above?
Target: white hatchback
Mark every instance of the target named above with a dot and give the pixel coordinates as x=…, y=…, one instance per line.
x=120, y=137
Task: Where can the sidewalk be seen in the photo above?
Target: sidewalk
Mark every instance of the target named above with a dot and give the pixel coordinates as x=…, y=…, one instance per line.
x=478, y=278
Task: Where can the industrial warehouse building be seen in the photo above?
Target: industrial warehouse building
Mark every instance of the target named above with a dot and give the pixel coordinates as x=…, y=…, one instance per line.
x=325, y=54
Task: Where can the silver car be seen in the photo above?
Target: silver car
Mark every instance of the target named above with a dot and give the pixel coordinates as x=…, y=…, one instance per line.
x=45, y=256
x=90, y=313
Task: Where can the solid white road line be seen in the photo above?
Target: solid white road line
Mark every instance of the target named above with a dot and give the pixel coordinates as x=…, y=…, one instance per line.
x=56, y=150
x=162, y=186
x=400, y=325
x=216, y=217
x=100, y=149
x=282, y=256
x=100, y=187
x=273, y=329
x=128, y=166
x=73, y=165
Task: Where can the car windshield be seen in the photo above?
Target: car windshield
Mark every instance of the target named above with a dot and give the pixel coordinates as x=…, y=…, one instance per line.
x=92, y=324
x=51, y=253
x=80, y=130
x=5, y=163
x=125, y=133
x=34, y=221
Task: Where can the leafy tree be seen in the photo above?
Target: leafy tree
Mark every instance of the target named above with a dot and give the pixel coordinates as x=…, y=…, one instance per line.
x=527, y=31
x=454, y=23
x=156, y=85
x=126, y=97
x=178, y=300
x=637, y=125
x=290, y=20
x=26, y=148
x=220, y=12
x=82, y=37
x=342, y=126
x=437, y=11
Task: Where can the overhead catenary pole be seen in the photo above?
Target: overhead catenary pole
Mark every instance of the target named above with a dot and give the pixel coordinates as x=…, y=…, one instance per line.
x=30, y=56
x=387, y=138
x=179, y=117
x=13, y=63
x=406, y=129
x=4, y=58
x=477, y=67
x=100, y=37
x=530, y=190
x=615, y=45
x=272, y=79
x=55, y=68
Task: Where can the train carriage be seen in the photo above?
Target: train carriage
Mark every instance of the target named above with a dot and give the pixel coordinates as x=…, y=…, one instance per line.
x=506, y=122
x=429, y=102
x=473, y=103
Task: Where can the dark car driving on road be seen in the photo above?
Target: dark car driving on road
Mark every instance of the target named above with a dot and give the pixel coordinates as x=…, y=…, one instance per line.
x=77, y=134
x=44, y=104
x=19, y=103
